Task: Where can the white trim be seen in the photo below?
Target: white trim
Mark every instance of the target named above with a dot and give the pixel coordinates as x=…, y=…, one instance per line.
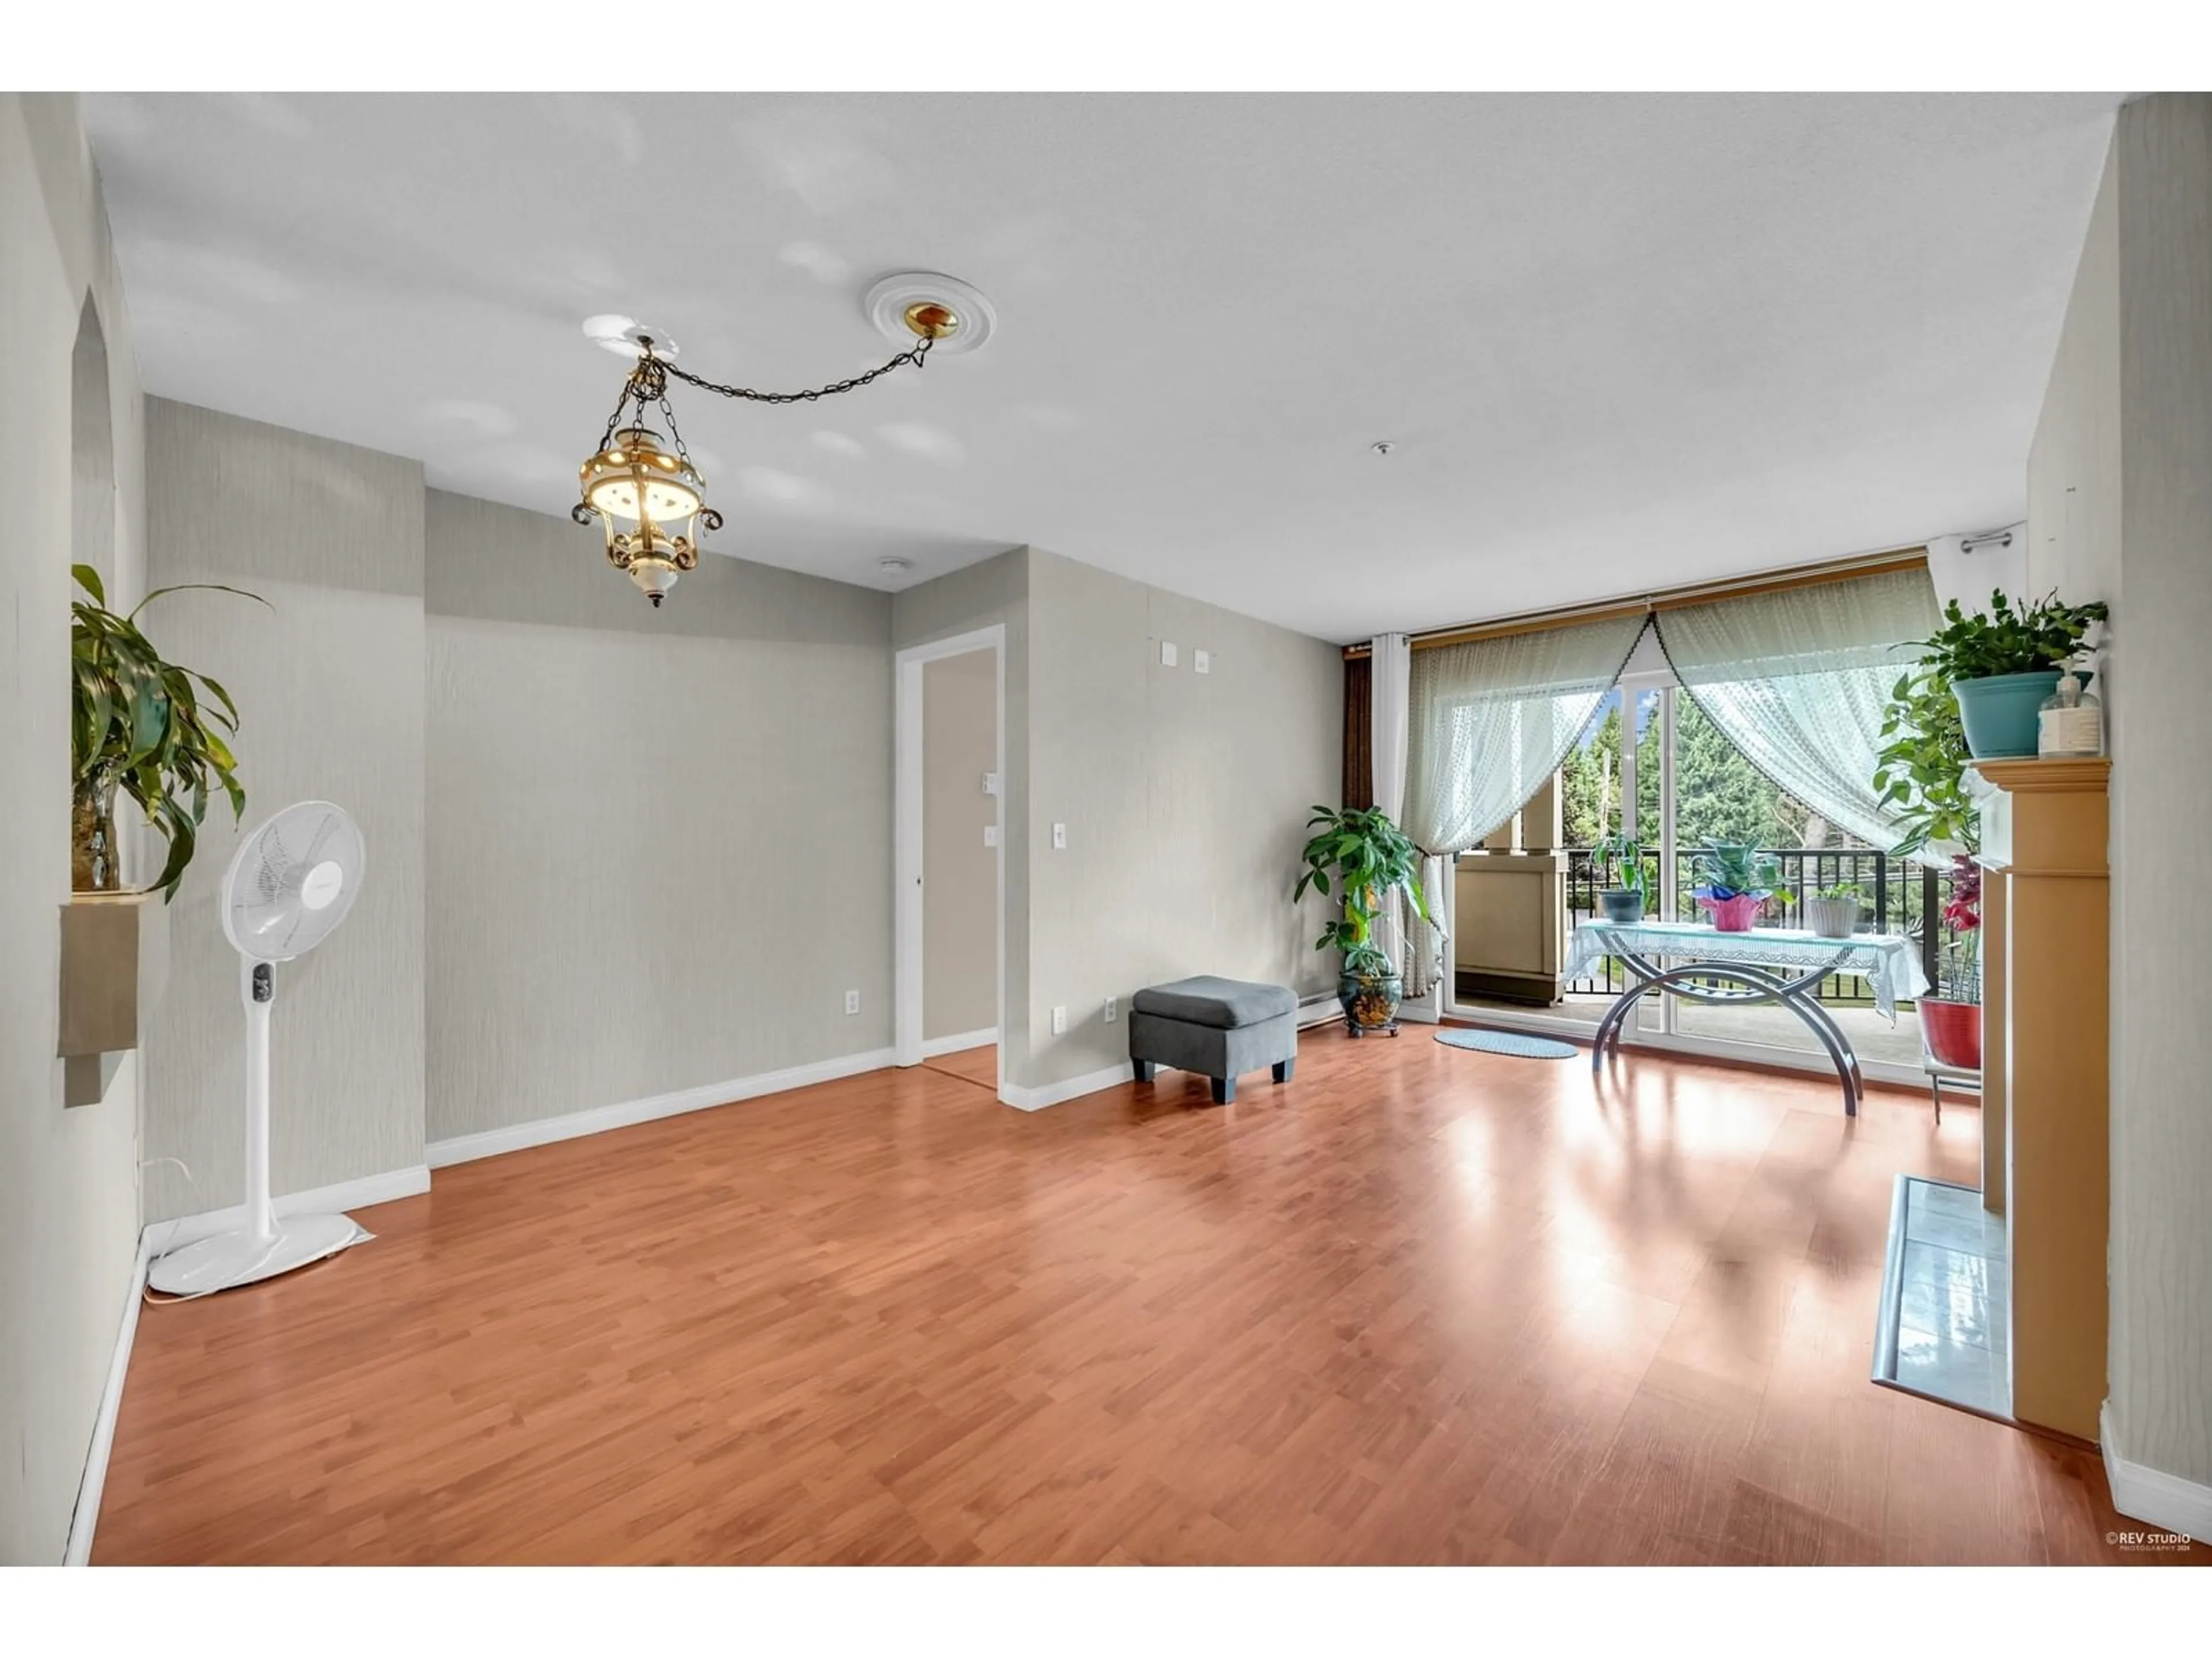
x=2153, y=1495
x=86, y=1517
x=906, y=865
x=1319, y=1010
x=908, y=1046
x=597, y=1120
x=933, y=1047
x=338, y=1197
x=1051, y=1094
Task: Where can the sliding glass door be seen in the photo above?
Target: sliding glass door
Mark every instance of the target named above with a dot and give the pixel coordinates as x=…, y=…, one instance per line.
x=1651, y=766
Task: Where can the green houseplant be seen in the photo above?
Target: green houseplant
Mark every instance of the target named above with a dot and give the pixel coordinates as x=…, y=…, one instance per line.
x=1359, y=857
x=138, y=725
x=1734, y=880
x=1627, y=903
x=2002, y=665
x=1921, y=769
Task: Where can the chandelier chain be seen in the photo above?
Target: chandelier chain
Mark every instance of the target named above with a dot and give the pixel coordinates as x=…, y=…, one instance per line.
x=648, y=382
x=920, y=350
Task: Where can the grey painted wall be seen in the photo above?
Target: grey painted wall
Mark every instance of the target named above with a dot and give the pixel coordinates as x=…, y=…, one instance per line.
x=2120, y=507
x=329, y=684
x=960, y=874
x=659, y=842
x=1184, y=795
x=69, y=1177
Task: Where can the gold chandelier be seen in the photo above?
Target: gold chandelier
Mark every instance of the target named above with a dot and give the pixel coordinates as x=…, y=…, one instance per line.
x=644, y=489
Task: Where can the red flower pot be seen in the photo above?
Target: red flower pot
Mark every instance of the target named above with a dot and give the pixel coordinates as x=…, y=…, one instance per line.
x=1732, y=916
x=1953, y=1031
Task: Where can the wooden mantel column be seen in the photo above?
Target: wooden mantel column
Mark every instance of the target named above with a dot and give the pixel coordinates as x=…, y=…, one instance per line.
x=2045, y=829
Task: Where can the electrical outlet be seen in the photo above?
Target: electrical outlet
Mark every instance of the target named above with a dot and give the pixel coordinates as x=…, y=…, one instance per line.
x=1059, y=838
x=1201, y=662
x=1059, y=1022
x=1167, y=654
x=852, y=1002
x=1113, y=1009
x=990, y=783
x=990, y=835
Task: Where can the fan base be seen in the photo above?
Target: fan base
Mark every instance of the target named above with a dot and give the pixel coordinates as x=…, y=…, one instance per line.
x=233, y=1259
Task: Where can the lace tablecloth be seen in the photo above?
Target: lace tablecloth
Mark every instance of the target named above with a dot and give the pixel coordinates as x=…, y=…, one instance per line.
x=1890, y=961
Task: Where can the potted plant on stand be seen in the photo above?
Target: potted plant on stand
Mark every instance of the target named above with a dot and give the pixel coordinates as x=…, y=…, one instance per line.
x=1952, y=1025
x=1361, y=857
x=1833, y=912
x=1736, y=880
x=2001, y=666
x=138, y=725
x=1627, y=903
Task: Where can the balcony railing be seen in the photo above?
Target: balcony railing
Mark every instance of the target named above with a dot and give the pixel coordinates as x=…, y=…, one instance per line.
x=1899, y=897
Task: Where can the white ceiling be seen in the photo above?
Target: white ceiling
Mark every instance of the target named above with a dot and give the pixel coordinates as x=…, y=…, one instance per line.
x=1618, y=341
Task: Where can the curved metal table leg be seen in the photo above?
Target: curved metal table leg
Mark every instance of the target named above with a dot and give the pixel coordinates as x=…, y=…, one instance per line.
x=1808, y=1005
x=1758, y=987
x=1607, y=1035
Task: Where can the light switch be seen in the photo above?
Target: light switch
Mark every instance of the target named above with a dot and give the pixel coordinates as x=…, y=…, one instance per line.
x=1059, y=838
x=1167, y=654
x=1201, y=662
x=1059, y=1022
x=990, y=835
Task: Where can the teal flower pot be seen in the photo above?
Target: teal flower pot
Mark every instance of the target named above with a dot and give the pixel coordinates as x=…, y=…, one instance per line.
x=1999, y=713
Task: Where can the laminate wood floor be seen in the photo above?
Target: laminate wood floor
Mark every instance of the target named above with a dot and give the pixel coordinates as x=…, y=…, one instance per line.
x=975, y=1065
x=1418, y=1305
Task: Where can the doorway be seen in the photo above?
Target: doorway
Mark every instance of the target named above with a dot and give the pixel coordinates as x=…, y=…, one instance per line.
x=949, y=864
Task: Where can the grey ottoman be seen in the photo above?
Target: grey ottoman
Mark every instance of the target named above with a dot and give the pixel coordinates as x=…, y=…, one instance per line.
x=1217, y=1026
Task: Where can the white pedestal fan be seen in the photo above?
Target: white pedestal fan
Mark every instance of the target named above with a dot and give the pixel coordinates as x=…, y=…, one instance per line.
x=290, y=884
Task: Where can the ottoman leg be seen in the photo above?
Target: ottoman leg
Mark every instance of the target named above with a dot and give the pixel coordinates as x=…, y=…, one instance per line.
x=1224, y=1090
x=1143, y=1070
x=1284, y=1068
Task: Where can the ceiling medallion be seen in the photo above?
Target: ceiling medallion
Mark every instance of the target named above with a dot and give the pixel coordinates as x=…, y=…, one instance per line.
x=642, y=486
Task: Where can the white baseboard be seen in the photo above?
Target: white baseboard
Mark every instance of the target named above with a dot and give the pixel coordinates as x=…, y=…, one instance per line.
x=78, y=1554
x=1319, y=1010
x=162, y=1237
x=1051, y=1094
x=2152, y=1495
x=541, y=1132
x=933, y=1047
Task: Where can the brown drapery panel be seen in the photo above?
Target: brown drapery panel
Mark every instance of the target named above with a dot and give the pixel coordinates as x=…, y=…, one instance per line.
x=1358, y=733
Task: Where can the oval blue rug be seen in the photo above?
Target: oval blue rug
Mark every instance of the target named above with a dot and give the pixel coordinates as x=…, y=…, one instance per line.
x=1508, y=1042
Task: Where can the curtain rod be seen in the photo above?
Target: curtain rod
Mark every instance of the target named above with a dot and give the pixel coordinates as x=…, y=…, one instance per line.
x=1668, y=598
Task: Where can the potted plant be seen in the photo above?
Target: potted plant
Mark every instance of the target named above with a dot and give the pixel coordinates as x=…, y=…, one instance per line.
x=1833, y=912
x=1921, y=774
x=1952, y=1025
x=1737, y=879
x=138, y=725
x=1361, y=857
x=1626, y=903
x=2001, y=666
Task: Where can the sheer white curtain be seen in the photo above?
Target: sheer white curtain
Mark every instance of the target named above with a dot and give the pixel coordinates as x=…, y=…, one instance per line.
x=1798, y=678
x=1489, y=719
x=1389, y=663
